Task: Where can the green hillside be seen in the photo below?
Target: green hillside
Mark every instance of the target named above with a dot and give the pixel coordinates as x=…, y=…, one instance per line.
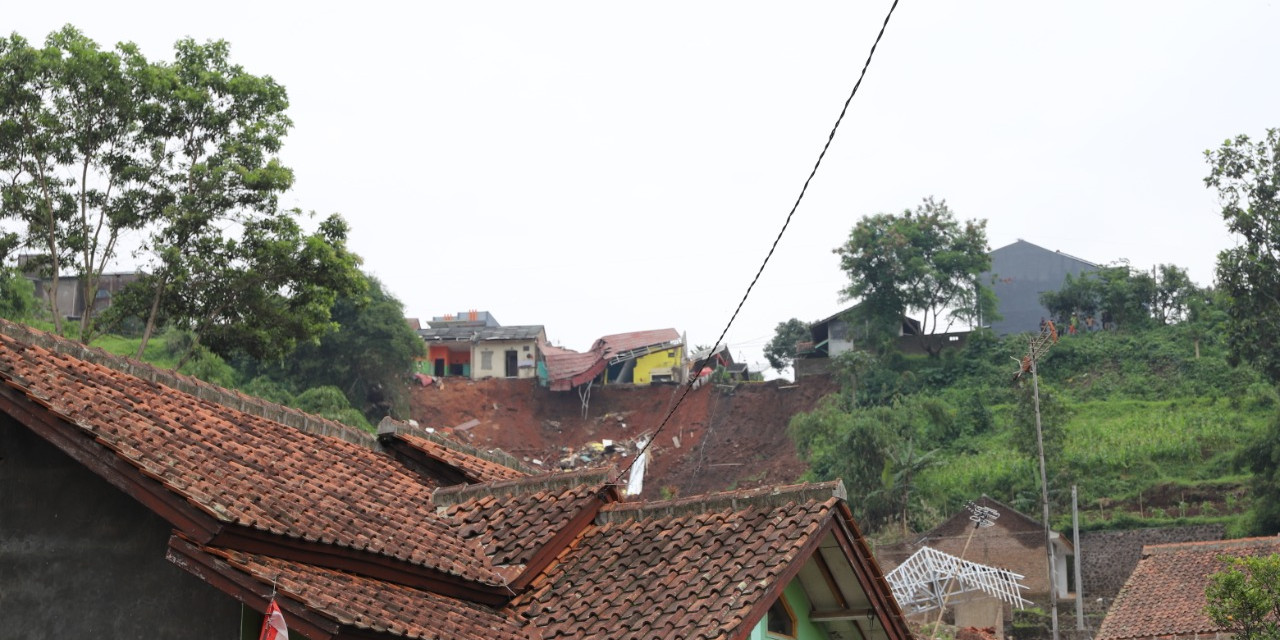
x=1149, y=432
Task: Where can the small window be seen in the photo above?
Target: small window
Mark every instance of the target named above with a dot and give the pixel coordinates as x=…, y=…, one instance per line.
x=781, y=621
x=486, y=360
x=526, y=347
x=671, y=354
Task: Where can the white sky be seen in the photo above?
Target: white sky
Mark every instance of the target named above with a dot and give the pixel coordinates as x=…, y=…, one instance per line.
x=607, y=167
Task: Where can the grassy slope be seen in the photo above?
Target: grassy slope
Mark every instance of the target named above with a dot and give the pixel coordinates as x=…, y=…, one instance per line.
x=1151, y=431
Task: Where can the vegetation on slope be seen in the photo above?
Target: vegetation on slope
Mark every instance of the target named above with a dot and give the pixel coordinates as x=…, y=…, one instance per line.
x=1148, y=432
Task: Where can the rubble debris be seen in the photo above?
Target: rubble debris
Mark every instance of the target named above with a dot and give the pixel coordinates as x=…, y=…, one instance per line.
x=599, y=453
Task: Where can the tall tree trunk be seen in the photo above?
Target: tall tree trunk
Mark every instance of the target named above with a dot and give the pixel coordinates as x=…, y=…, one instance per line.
x=151, y=316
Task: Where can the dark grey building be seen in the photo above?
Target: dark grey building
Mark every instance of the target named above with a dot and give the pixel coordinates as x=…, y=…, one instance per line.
x=1020, y=272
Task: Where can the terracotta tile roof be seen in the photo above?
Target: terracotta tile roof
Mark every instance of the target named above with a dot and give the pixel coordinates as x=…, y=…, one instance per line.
x=245, y=470
x=477, y=468
x=570, y=369
x=1164, y=596
x=514, y=519
x=679, y=569
x=375, y=605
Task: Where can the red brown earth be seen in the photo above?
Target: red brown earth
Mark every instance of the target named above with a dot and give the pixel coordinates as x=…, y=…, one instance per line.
x=719, y=438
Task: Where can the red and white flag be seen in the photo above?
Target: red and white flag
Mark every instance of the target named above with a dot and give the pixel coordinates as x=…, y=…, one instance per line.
x=273, y=627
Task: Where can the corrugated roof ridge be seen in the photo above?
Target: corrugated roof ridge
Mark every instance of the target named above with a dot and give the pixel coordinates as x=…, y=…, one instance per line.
x=391, y=426
x=1210, y=545
x=457, y=494
x=734, y=500
x=229, y=398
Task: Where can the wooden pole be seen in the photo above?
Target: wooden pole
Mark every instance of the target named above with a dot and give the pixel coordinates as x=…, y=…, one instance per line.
x=1044, y=501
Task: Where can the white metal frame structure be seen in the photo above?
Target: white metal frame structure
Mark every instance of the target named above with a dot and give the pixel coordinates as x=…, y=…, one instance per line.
x=929, y=578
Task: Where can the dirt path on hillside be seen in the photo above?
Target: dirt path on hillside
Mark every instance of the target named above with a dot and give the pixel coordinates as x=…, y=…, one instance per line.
x=718, y=439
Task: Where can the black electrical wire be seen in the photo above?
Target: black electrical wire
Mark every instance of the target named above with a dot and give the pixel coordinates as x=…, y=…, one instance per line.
x=689, y=384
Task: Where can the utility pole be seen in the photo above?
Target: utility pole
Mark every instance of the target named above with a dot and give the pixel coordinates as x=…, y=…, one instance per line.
x=1075, y=542
x=1037, y=346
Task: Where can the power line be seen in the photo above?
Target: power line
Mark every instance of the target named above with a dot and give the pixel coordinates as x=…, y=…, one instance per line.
x=688, y=386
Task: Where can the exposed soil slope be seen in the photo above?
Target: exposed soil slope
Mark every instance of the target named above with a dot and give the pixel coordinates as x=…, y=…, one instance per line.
x=718, y=439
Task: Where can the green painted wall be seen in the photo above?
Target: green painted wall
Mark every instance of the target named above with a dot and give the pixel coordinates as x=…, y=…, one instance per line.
x=806, y=629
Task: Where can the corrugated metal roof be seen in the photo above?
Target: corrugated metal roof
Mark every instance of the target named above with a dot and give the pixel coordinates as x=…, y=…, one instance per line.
x=569, y=369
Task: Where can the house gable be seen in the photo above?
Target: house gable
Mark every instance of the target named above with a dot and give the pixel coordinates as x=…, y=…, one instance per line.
x=1020, y=272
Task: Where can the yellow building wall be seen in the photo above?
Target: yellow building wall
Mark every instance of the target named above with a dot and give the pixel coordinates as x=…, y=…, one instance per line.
x=659, y=362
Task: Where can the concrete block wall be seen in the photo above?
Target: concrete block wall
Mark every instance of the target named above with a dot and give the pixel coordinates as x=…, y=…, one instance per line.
x=1110, y=556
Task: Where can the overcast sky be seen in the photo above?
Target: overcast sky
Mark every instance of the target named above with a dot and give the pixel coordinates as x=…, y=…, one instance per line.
x=606, y=167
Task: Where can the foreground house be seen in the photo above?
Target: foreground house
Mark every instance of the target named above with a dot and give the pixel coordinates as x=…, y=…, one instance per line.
x=1164, y=596
x=140, y=503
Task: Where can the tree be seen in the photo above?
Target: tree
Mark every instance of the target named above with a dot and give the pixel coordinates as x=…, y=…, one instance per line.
x=1245, y=598
x=367, y=356
x=781, y=350
x=72, y=154
x=1174, y=294
x=919, y=261
x=1246, y=175
x=877, y=450
x=220, y=127
x=1120, y=296
x=258, y=295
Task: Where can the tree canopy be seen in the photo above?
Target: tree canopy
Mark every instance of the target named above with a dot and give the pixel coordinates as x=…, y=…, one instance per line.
x=1246, y=175
x=1245, y=597
x=1119, y=296
x=367, y=356
x=781, y=350
x=97, y=144
x=920, y=261
x=75, y=159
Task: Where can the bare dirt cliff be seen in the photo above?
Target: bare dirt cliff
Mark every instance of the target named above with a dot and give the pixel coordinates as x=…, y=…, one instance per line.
x=719, y=438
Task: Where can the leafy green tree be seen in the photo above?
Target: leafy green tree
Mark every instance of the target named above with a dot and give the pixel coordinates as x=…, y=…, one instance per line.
x=781, y=350
x=73, y=154
x=924, y=261
x=1173, y=295
x=1245, y=597
x=220, y=127
x=876, y=450
x=258, y=295
x=367, y=356
x=1246, y=175
x=1120, y=296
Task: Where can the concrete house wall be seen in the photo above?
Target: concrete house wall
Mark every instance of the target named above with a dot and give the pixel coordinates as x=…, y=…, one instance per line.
x=1020, y=272
x=666, y=362
x=72, y=546
x=494, y=364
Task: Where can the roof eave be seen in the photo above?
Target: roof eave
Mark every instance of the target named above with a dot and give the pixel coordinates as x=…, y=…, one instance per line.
x=225, y=578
